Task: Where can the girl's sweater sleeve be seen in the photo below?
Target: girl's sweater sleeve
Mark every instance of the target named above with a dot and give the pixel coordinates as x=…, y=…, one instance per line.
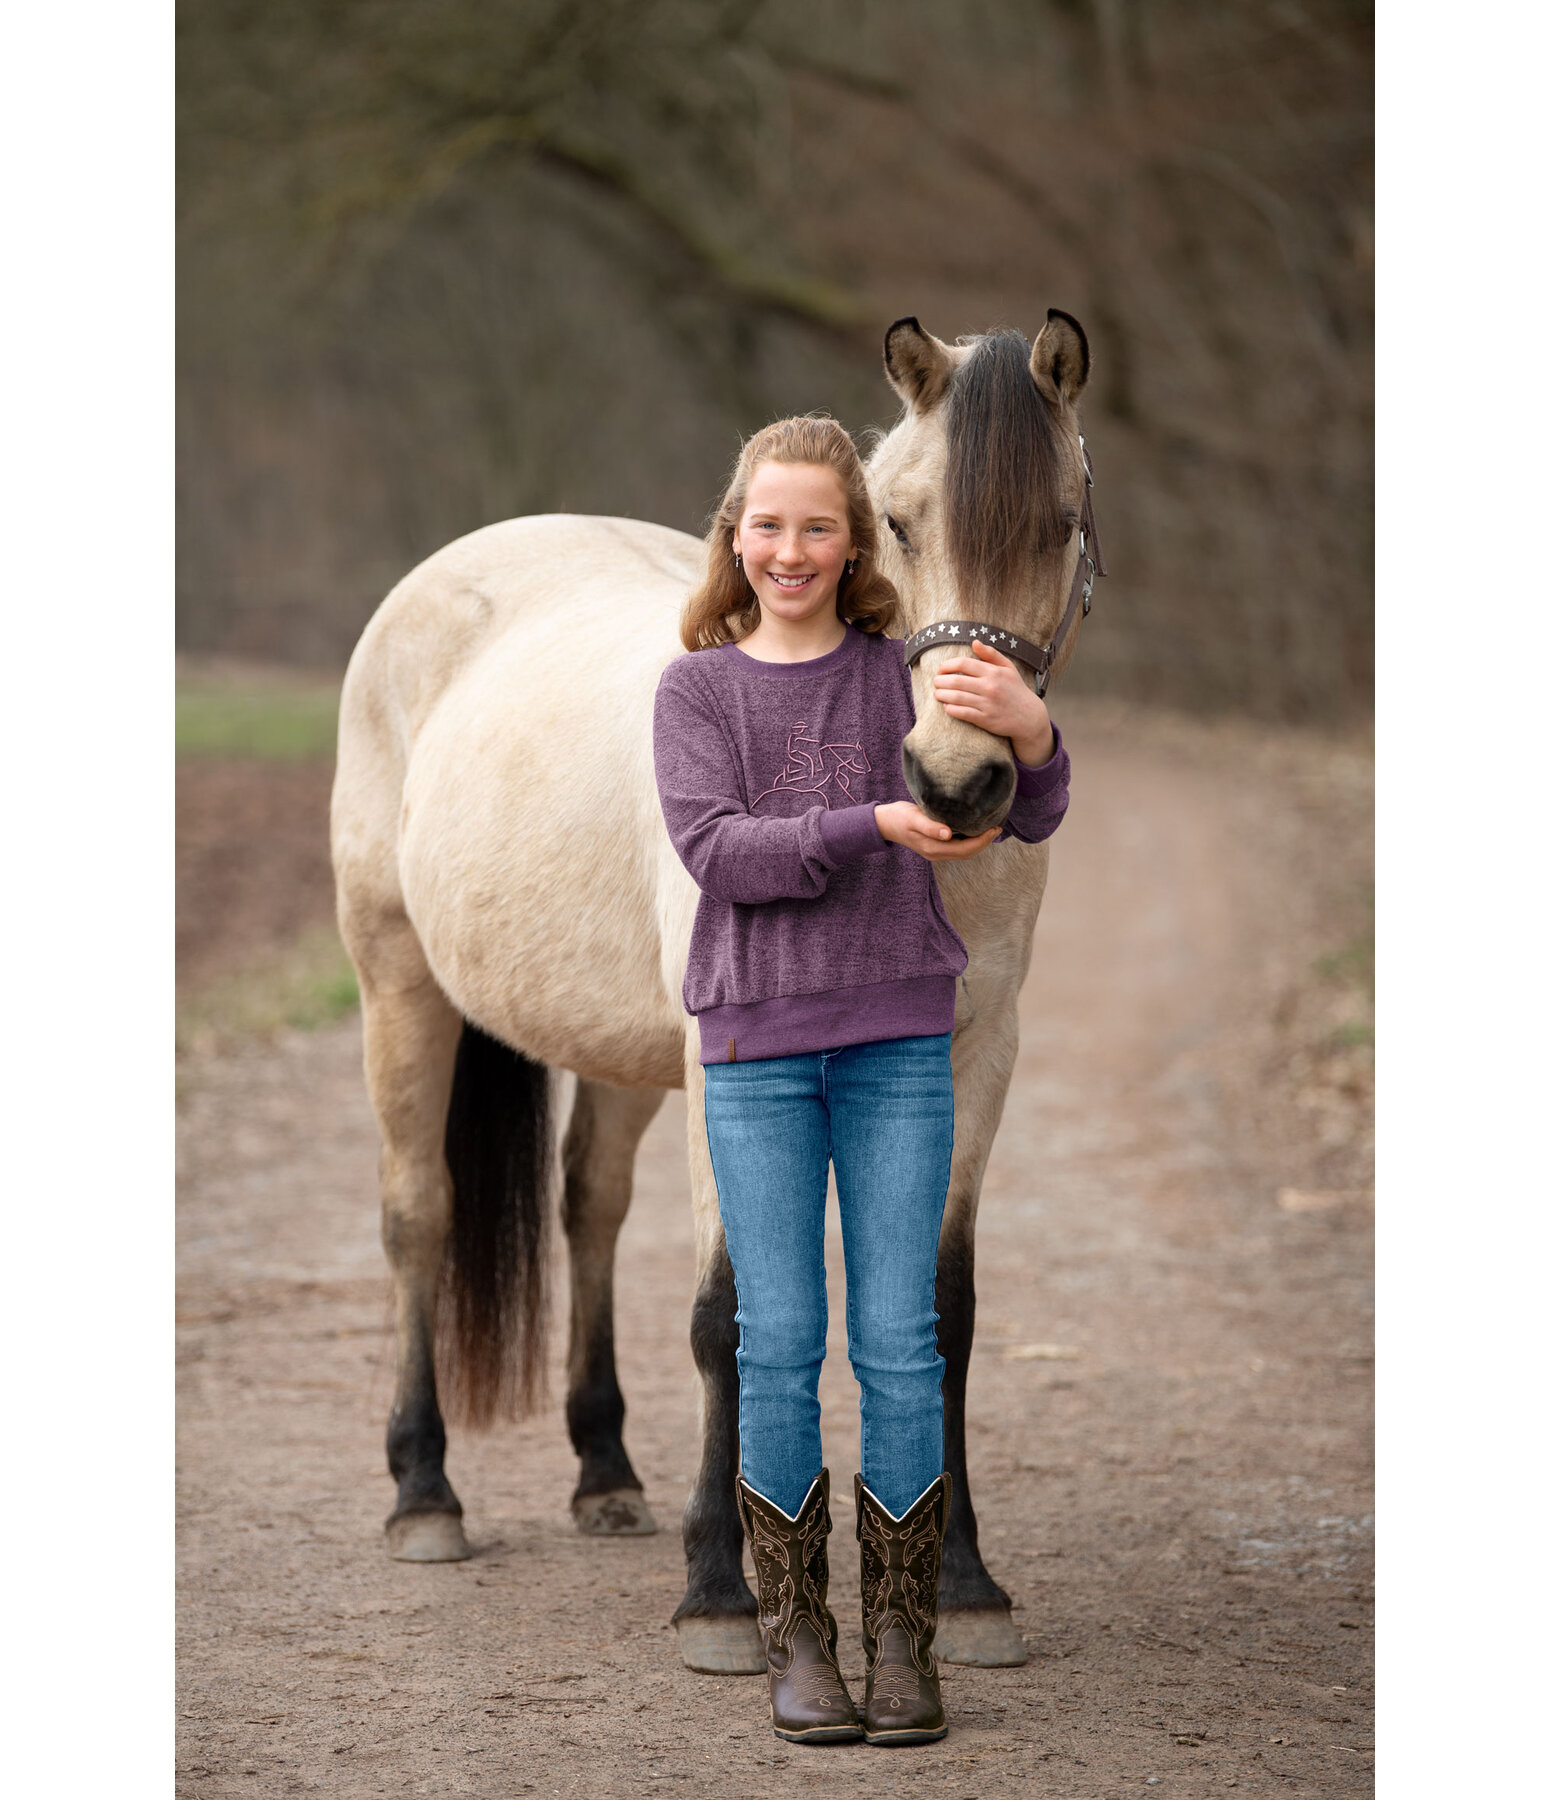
x=1042, y=796
x=731, y=854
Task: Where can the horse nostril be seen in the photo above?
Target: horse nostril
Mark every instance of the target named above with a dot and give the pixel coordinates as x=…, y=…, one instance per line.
x=989, y=785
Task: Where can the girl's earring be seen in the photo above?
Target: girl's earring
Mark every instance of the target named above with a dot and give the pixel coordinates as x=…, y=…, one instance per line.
x=737, y=557
x=850, y=567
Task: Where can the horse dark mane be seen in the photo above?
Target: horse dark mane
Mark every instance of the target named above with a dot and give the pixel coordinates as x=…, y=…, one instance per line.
x=1003, y=499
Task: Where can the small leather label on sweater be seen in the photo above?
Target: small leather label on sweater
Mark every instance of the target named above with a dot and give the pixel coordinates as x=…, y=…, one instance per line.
x=731, y=1049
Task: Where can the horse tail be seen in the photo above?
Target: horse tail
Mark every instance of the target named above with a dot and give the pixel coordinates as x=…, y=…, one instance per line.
x=493, y=1314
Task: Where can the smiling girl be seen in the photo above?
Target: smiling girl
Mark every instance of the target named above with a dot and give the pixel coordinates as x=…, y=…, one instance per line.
x=822, y=971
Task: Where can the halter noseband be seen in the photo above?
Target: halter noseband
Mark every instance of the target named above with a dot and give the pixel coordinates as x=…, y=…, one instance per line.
x=1038, y=657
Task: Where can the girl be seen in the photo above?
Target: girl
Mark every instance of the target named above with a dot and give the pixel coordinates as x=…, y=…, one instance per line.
x=822, y=970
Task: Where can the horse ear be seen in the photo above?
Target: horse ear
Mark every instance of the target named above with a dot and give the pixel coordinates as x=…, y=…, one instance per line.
x=919, y=366
x=1060, y=361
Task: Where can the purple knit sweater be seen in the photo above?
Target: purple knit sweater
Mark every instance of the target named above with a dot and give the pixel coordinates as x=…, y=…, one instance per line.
x=813, y=931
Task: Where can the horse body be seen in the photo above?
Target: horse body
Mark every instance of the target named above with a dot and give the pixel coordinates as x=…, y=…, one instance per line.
x=510, y=680
x=512, y=903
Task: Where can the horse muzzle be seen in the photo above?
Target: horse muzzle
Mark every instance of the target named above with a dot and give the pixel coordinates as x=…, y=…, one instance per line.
x=968, y=804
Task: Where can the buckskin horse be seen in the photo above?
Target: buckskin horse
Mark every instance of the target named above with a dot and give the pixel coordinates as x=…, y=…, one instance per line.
x=509, y=897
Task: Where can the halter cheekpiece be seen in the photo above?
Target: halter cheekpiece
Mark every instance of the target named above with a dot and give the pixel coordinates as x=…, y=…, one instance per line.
x=1038, y=657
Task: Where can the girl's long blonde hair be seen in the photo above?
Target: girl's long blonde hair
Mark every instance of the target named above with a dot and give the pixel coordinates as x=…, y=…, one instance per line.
x=724, y=607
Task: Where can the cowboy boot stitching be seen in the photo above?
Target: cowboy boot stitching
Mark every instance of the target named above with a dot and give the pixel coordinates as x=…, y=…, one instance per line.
x=808, y=1699
x=900, y=1566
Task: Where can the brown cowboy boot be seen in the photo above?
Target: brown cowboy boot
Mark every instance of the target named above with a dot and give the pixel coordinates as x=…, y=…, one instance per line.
x=808, y=1701
x=901, y=1562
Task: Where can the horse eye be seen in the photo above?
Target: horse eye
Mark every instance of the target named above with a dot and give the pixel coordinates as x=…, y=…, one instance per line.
x=898, y=530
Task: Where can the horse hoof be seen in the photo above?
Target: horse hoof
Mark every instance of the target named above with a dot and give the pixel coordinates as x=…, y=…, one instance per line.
x=982, y=1640
x=721, y=1646
x=427, y=1538
x=623, y=1513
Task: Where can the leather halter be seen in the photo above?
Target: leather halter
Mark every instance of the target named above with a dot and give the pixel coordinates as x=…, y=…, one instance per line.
x=958, y=633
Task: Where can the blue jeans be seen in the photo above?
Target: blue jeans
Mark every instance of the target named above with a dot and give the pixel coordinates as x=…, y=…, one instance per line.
x=884, y=1113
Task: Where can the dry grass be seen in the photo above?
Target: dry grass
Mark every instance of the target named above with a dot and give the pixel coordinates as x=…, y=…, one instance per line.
x=306, y=984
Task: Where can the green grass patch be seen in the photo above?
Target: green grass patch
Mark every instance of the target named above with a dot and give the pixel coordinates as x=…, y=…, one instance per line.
x=308, y=984
x=1354, y=1032
x=1351, y=964
x=288, y=724
x=1347, y=978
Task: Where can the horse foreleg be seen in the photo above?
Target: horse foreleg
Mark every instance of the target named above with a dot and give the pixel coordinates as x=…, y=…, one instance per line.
x=716, y=1619
x=411, y=1050
x=975, y=1612
x=975, y=1624
x=606, y=1125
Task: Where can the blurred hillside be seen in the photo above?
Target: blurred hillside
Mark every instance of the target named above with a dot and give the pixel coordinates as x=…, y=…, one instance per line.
x=444, y=262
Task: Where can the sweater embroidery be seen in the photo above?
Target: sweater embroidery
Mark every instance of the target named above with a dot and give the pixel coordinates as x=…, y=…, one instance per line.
x=806, y=773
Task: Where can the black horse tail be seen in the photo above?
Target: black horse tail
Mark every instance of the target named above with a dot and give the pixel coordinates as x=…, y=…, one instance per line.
x=491, y=1322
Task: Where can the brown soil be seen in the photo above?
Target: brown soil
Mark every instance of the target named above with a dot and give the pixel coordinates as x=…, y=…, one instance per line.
x=253, y=869
x=1178, y=1202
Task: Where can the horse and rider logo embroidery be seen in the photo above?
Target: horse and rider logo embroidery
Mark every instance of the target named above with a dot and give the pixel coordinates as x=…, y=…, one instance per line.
x=811, y=767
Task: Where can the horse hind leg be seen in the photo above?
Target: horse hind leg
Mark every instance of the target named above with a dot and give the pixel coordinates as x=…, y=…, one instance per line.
x=716, y=1620
x=411, y=1043
x=598, y=1156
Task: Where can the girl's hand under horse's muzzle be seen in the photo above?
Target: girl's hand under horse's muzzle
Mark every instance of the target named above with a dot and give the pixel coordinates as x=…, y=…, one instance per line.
x=903, y=822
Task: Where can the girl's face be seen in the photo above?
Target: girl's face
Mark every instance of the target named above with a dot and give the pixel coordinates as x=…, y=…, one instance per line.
x=794, y=539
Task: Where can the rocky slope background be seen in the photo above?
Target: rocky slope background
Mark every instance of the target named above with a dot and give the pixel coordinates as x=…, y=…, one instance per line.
x=448, y=263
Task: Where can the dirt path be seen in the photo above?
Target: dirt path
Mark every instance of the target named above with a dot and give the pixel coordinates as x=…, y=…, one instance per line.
x=1180, y=1501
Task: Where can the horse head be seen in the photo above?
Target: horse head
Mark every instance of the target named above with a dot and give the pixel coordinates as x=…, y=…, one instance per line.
x=980, y=485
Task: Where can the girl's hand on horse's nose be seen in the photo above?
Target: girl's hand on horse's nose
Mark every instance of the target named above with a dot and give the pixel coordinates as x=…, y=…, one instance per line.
x=902, y=822
x=985, y=688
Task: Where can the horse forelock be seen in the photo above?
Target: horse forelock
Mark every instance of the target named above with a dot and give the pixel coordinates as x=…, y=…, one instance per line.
x=1002, y=497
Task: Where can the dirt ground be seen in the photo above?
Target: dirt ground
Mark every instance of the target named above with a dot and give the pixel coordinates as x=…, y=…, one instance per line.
x=1170, y=1404
x=252, y=860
